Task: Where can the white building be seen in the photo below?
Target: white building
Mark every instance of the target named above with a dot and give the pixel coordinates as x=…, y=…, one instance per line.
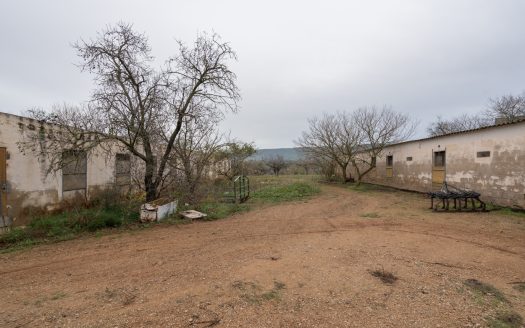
x=26, y=185
x=490, y=160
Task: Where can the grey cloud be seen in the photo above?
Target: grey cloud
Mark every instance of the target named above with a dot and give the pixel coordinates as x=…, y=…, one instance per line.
x=296, y=58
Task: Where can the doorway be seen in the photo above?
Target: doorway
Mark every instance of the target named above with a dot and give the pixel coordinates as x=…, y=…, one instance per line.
x=438, y=167
x=3, y=186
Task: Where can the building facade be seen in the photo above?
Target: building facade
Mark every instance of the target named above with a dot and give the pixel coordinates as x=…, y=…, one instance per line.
x=490, y=160
x=27, y=185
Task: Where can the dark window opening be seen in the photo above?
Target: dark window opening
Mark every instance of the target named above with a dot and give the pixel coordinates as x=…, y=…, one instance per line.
x=483, y=154
x=74, y=170
x=439, y=158
x=122, y=169
x=389, y=160
x=409, y=158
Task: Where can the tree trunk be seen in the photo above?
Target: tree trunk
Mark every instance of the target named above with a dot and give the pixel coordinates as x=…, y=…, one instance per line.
x=149, y=181
x=360, y=175
x=343, y=171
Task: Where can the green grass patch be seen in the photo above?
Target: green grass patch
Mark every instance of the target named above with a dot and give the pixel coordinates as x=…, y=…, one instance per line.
x=371, y=215
x=506, y=320
x=112, y=212
x=485, y=289
x=520, y=214
x=216, y=210
x=66, y=225
x=288, y=192
x=58, y=295
x=253, y=293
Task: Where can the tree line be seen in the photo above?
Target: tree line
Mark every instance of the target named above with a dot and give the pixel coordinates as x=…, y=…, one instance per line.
x=505, y=108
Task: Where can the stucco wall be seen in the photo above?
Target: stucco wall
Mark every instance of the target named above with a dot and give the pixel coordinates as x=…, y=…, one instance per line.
x=500, y=178
x=29, y=184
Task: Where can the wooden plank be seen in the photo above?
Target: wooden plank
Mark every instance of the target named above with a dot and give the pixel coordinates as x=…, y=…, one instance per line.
x=3, y=179
x=438, y=175
x=389, y=172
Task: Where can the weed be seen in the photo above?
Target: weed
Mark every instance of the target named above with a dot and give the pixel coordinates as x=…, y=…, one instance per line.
x=279, y=285
x=385, y=276
x=485, y=289
x=67, y=225
x=252, y=292
x=58, y=295
x=372, y=215
x=243, y=285
x=506, y=320
x=270, y=295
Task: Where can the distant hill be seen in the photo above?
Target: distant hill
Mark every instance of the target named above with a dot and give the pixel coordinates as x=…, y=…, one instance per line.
x=289, y=154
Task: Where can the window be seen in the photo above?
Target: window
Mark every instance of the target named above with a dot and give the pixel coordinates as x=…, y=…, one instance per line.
x=483, y=154
x=439, y=158
x=409, y=159
x=74, y=170
x=389, y=160
x=122, y=170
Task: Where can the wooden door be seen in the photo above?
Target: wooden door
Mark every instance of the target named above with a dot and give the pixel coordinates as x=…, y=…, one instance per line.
x=3, y=181
x=438, y=167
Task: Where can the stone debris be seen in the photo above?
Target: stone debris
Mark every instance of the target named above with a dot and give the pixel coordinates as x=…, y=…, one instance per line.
x=192, y=214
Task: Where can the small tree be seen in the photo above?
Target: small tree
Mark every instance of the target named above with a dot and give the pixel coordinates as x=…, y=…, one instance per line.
x=332, y=138
x=233, y=155
x=327, y=168
x=138, y=107
x=276, y=163
x=379, y=128
x=256, y=167
x=195, y=151
x=509, y=107
x=306, y=164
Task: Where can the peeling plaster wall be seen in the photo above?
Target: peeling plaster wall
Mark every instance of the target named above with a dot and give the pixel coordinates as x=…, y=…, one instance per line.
x=30, y=187
x=500, y=178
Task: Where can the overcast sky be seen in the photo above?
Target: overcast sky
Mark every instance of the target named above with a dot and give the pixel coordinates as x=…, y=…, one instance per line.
x=296, y=58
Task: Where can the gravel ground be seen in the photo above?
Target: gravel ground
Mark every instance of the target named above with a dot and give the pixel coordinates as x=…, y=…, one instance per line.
x=300, y=264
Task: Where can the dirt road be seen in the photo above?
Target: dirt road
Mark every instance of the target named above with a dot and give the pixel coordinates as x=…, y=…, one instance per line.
x=301, y=264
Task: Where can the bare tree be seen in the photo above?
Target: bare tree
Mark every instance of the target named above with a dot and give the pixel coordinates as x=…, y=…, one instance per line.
x=194, y=154
x=379, y=128
x=507, y=107
x=461, y=123
x=256, y=167
x=233, y=155
x=276, y=163
x=332, y=138
x=306, y=164
x=139, y=107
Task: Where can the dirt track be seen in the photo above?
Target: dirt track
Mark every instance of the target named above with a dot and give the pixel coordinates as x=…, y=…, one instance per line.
x=296, y=264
